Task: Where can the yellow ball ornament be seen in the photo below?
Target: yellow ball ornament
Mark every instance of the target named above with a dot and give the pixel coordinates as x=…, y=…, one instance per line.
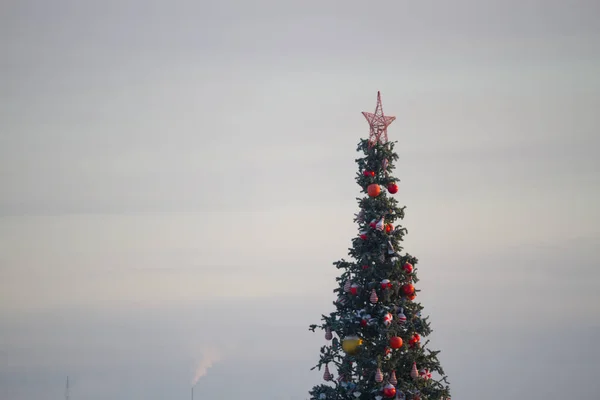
x=351, y=344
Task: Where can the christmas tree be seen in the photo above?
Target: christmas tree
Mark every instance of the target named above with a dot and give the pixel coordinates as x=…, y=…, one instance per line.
x=377, y=332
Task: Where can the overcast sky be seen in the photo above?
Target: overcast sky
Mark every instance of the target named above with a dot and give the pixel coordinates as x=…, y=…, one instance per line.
x=176, y=179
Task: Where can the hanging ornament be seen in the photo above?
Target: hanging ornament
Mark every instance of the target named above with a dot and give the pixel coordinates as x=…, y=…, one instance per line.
x=373, y=190
x=351, y=344
x=368, y=173
x=425, y=374
x=386, y=284
x=373, y=297
x=393, y=379
x=381, y=257
x=328, y=334
x=414, y=340
x=407, y=267
x=373, y=223
x=411, y=297
x=347, y=286
x=389, y=391
x=392, y=188
x=413, y=372
x=396, y=342
x=387, y=319
x=357, y=394
x=380, y=225
x=400, y=396
x=341, y=300
x=389, y=228
x=327, y=375
x=354, y=289
x=384, y=164
x=401, y=316
x=378, y=376
x=390, y=248
x=408, y=289
x=378, y=398
x=363, y=235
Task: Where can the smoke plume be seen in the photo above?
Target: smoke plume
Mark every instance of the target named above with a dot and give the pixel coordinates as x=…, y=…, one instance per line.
x=209, y=357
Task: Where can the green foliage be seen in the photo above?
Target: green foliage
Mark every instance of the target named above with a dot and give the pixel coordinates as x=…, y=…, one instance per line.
x=377, y=257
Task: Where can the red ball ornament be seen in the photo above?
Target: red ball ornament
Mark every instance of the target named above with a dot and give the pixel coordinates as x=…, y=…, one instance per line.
x=407, y=267
x=386, y=284
x=412, y=296
x=396, y=342
x=354, y=289
x=373, y=190
x=389, y=228
x=413, y=342
x=363, y=236
x=389, y=391
x=408, y=289
x=363, y=323
x=366, y=172
x=392, y=188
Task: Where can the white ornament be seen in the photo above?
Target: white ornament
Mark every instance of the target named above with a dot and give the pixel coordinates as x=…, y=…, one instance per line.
x=347, y=286
x=390, y=248
x=387, y=319
x=357, y=394
x=401, y=316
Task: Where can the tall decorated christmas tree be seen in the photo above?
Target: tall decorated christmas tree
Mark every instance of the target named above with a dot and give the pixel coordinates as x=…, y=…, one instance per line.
x=376, y=334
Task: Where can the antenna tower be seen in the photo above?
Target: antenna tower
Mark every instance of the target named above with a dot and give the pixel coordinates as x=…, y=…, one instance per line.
x=67, y=389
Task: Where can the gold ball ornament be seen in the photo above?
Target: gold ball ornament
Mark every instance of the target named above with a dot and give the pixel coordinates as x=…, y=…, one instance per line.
x=351, y=344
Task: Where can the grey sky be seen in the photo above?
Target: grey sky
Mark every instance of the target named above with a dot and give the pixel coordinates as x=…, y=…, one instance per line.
x=179, y=176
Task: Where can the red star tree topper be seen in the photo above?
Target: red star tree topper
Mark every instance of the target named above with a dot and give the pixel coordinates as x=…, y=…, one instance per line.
x=378, y=123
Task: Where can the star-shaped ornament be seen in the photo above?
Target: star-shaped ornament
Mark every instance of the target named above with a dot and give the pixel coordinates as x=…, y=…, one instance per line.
x=378, y=123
